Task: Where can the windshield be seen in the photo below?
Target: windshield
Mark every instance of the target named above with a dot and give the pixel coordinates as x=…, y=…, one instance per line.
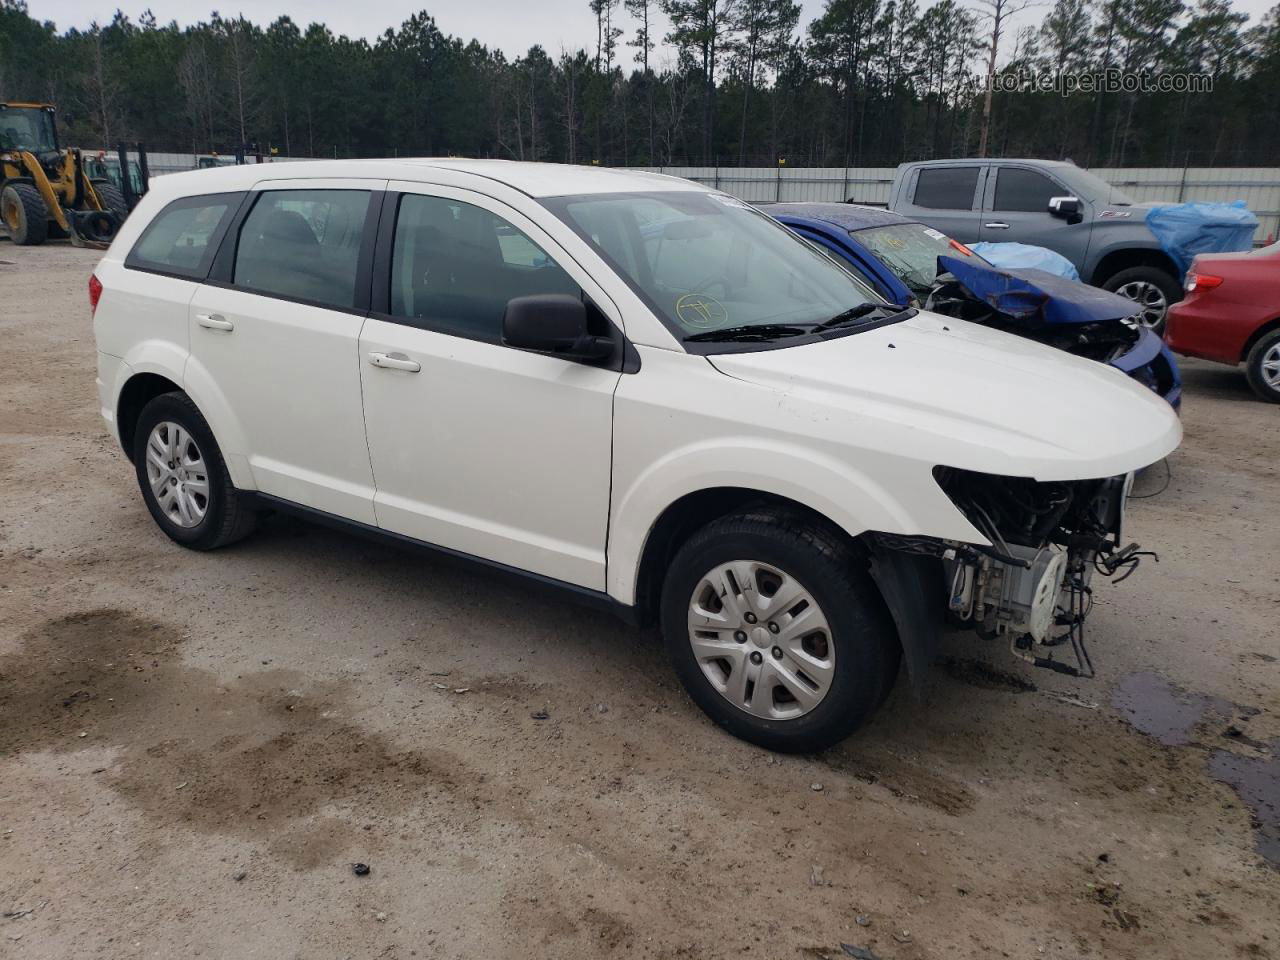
x=705, y=262
x=911, y=251
x=27, y=128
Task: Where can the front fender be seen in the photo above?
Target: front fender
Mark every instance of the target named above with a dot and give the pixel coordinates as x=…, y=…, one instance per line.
x=836, y=490
x=1110, y=237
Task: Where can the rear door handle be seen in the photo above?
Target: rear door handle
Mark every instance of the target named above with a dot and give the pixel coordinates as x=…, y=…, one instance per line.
x=214, y=321
x=997, y=225
x=394, y=361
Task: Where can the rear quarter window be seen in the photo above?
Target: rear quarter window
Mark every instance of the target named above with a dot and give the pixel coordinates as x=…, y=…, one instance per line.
x=946, y=188
x=183, y=237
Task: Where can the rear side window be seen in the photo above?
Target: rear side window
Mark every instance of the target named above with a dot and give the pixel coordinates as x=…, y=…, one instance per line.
x=184, y=236
x=303, y=245
x=946, y=188
x=1025, y=190
x=454, y=266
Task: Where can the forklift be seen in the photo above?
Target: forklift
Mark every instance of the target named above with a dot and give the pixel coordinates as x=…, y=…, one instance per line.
x=45, y=191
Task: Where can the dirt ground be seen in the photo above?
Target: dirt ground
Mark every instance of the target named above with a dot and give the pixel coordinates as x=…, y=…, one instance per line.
x=195, y=748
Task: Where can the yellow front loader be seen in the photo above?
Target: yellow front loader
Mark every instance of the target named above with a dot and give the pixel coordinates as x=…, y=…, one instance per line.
x=44, y=191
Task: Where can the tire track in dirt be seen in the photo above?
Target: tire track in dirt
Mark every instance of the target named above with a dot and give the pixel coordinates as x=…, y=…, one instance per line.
x=261, y=758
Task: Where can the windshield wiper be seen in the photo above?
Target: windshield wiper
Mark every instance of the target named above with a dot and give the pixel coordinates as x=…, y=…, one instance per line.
x=752, y=331
x=893, y=314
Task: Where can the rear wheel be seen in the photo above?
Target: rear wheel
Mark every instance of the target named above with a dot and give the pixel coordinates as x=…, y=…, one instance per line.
x=183, y=477
x=112, y=198
x=1262, y=367
x=1153, y=289
x=777, y=632
x=24, y=214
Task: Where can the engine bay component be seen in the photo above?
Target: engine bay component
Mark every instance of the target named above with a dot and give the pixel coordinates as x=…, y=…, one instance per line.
x=1029, y=595
x=1032, y=583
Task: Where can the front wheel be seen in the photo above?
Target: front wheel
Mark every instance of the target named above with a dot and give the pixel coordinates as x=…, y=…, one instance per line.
x=1262, y=367
x=1152, y=289
x=24, y=213
x=777, y=631
x=183, y=477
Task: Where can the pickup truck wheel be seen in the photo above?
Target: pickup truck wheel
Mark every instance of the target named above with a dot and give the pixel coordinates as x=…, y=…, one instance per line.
x=1262, y=367
x=183, y=477
x=777, y=631
x=1153, y=289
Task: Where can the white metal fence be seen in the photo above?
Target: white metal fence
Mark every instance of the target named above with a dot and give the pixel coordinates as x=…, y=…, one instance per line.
x=159, y=164
x=1258, y=187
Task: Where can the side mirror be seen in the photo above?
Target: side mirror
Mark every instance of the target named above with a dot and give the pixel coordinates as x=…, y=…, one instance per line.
x=553, y=323
x=1068, y=208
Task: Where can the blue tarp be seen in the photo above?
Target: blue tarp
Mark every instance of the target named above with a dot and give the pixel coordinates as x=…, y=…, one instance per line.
x=1037, y=296
x=1185, y=229
x=1018, y=255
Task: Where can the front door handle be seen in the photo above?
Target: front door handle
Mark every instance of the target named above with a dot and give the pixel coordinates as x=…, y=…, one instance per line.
x=214, y=321
x=394, y=361
x=996, y=225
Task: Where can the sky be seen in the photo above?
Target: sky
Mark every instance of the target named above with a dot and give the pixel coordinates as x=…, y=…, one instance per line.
x=512, y=25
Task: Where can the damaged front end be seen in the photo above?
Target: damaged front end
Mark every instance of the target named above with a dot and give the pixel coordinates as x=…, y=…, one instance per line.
x=1031, y=583
x=1061, y=313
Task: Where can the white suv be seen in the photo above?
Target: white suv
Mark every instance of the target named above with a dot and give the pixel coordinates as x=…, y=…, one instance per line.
x=629, y=386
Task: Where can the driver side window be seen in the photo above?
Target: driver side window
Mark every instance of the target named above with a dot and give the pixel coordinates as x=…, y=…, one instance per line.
x=1024, y=191
x=454, y=266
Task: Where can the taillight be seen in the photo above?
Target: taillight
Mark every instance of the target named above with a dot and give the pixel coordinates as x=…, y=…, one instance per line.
x=95, y=293
x=1202, y=281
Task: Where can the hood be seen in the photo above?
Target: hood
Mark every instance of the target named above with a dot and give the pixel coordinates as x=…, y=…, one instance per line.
x=956, y=393
x=1037, y=296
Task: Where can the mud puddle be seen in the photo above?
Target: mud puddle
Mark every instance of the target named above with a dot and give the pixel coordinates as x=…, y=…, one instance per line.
x=1174, y=716
x=1166, y=712
x=1256, y=780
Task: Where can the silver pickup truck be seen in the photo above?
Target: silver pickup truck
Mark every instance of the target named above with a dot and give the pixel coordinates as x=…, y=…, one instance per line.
x=1051, y=204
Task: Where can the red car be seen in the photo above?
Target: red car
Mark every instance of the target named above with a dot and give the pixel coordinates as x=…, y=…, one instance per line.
x=1232, y=314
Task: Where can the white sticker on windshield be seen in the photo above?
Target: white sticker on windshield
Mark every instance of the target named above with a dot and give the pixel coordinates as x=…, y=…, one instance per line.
x=930, y=232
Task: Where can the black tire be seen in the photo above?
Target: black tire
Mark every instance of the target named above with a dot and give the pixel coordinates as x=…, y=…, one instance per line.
x=1164, y=281
x=24, y=214
x=862, y=635
x=227, y=516
x=111, y=198
x=1253, y=366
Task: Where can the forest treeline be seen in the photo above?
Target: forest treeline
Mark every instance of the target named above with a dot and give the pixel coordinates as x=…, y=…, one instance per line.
x=867, y=82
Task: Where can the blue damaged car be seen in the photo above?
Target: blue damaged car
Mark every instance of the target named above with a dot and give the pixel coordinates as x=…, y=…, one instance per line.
x=910, y=263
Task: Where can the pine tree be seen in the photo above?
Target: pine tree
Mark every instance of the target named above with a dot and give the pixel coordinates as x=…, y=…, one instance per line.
x=700, y=30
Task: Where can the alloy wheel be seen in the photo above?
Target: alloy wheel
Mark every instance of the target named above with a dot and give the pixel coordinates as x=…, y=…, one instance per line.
x=761, y=640
x=177, y=475
x=1150, y=298
x=1270, y=367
